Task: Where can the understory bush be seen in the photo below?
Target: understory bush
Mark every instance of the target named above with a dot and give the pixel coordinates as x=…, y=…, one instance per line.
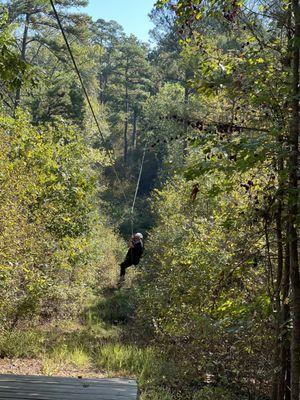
x=55, y=248
x=198, y=303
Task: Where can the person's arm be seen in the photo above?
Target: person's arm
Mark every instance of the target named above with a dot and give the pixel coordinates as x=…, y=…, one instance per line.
x=140, y=249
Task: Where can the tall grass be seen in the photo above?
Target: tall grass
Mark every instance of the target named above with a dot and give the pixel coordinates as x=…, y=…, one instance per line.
x=63, y=357
x=157, y=394
x=95, y=343
x=218, y=393
x=126, y=359
x=20, y=343
x=117, y=308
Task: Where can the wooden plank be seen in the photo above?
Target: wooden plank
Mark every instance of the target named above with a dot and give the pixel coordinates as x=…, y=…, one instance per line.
x=56, y=388
x=63, y=380
x=64, y=397
x=57, y=391
x=22, y=394
x=80, y=383
x=84, y=385
x=60, y=378
x=50, y=396
x=91, y=391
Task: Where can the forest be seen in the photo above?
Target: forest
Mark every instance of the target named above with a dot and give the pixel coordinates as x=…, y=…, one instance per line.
x=207, y=115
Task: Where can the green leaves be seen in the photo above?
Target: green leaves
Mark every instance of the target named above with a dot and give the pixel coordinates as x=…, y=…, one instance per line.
x=51, y=234
x=196, y=287
x=13, y=70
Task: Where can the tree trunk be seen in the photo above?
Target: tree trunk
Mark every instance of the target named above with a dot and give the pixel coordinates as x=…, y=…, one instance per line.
x=282, y=285
x=126, y=123
x=285, y=356
x=185, y=125
x=126, y=106
x=293, y=209
x=134, y=130
x=23, y=56
x=277, y=358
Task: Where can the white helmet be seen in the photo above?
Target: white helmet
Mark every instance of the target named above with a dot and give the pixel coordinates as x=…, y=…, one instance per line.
x=139, y=235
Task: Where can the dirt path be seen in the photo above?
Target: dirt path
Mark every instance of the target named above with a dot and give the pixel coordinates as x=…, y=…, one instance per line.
x=37, y=367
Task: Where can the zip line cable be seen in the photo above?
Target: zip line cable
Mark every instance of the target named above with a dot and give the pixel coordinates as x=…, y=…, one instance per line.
x=98, y=125
x=137, y=189
x=97, y=122
x=87, y=97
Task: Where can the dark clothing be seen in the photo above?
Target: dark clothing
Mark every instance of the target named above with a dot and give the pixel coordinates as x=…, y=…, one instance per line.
x=133, y=257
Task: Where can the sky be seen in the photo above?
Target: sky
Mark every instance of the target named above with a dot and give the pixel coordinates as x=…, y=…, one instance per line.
x=131, y=14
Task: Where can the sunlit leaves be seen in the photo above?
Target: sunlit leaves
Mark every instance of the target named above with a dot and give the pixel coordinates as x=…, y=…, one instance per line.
x=13, y=70
x=49, y=209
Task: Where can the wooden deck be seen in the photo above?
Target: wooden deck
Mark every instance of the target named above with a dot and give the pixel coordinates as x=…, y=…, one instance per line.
x=51, y=388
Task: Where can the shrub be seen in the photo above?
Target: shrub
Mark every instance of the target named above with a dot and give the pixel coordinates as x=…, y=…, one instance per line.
x=20, y=343
x=211, y=393
x=53, y=243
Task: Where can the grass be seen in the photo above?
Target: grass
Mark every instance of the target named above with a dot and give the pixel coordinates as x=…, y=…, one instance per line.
x=95, y=343
x=126, y=359
x=92, y=344
x=115, y=308
x=63, y=357
x=210, y=393
x=20, y=343
x=158, y=394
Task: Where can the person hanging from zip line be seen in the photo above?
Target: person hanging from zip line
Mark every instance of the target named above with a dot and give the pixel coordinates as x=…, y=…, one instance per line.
x=133, y=256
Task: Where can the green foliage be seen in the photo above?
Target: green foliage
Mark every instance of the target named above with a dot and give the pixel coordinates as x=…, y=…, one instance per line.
x=51, y=246
x=62, y=357
x=212, y=102
x=214, y=393
x=125, y=359
x=13, y=70
x=18, y=344
x=200, y=296
x=156, y=394
x=117, y=308
x=151, y=369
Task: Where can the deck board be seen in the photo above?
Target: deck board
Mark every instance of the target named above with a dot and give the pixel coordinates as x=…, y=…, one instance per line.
x=20, y=387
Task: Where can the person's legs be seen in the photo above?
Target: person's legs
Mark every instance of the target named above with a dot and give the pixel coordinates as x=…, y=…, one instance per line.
x=123, y=270
x=123, y=266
